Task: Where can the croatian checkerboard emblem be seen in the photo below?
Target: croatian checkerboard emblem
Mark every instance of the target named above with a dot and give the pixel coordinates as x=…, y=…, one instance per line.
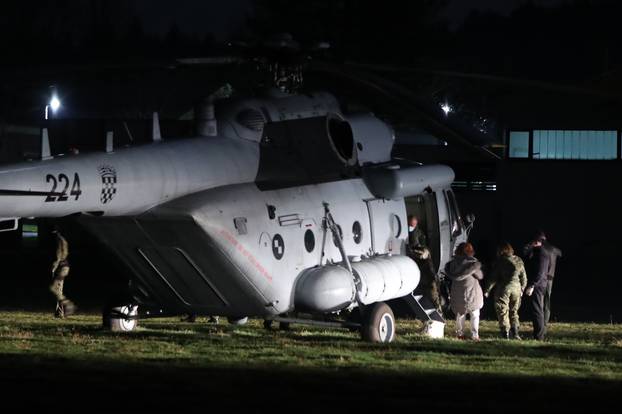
x=109, y=183
x=278, y=246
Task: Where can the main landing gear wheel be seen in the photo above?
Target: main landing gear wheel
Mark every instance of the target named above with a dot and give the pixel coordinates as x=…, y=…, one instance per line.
x=113, y=318
x=237, y=321
x=378, y=324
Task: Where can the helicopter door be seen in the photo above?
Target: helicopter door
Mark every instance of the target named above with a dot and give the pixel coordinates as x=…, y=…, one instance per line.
x=424, y=206
x=444, y=219
x=387, y=224
x=458, y=229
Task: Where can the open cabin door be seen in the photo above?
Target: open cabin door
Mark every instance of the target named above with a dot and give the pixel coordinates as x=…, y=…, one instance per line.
x=387, y=222
x=425, y=207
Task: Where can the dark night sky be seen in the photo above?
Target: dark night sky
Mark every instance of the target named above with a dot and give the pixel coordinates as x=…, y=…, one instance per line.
x=193, y=16
x=224, y=17
x=457, y=10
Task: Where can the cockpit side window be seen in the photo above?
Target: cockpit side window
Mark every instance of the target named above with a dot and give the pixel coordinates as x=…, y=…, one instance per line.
x=454, y=214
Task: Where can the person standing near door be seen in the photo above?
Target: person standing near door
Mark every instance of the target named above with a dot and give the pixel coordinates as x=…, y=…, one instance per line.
x=416, y=236
x=538, y=262
x=553, y=253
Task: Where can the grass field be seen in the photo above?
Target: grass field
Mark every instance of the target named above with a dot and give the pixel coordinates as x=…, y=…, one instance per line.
x=167, y=365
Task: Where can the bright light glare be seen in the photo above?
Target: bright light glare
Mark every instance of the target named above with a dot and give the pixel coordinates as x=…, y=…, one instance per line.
x=55, y=104
x=446, y=108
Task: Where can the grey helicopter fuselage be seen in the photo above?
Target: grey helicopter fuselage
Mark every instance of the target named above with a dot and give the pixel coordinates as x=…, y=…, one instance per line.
x=236, y=224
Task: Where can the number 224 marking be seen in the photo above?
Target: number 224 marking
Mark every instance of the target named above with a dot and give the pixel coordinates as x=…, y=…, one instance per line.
x=63, y=180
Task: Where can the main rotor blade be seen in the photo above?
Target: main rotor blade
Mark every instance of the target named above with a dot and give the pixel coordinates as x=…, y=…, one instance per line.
x=569, y=89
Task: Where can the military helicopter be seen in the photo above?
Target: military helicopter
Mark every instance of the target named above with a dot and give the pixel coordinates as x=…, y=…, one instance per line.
x=283, y=207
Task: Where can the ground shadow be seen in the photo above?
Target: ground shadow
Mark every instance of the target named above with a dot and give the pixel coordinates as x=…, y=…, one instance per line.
x=172, y=386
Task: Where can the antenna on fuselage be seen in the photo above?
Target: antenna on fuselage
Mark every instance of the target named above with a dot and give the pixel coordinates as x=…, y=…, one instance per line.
x=127, y=130
x=46, y=154
x=156, y=136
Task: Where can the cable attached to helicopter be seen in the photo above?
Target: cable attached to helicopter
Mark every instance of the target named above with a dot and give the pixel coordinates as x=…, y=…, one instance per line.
x=329, y=223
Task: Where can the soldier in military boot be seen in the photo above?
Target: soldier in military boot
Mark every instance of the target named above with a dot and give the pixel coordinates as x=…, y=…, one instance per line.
x=508, y=280
x=60, y=270
x=428, y=285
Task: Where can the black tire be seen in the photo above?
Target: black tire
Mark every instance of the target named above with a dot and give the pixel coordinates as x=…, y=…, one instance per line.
x=284, y=326
x=267, y=324
x=378, y=324
x=114, y=323
x=237, y=321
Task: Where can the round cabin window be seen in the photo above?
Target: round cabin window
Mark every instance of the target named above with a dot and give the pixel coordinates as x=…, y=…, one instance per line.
x=309, y=241
x=357, y=232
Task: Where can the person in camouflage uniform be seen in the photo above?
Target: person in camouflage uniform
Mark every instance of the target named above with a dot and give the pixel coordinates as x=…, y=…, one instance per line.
x=428, y=285
x=508, y=279
x=60, y=270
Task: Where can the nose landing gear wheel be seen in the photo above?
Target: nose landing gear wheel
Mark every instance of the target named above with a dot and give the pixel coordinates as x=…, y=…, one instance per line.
x=378, y=324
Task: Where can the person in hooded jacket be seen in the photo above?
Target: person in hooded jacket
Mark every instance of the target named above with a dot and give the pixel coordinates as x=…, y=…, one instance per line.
x=465, y=272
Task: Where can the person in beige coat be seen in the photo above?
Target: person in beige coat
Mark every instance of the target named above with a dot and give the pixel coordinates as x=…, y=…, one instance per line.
x=466, y=296
x=60, y=271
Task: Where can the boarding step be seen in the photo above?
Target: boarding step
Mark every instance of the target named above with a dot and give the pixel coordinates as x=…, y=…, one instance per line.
x=424, y=310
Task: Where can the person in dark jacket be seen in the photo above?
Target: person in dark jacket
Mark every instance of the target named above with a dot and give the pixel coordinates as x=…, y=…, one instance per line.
x=554, y=253
x=538, y=262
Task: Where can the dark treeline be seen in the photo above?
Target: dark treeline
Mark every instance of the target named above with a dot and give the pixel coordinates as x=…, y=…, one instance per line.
x=73, y=31
x=574, y=40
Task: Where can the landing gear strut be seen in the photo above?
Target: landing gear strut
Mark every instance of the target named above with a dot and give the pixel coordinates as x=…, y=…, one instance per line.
x=283, y=326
